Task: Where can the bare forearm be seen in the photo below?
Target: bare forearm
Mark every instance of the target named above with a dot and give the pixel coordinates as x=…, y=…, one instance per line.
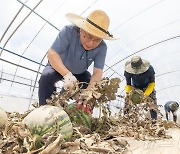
x=56, y=62
x=97, y=76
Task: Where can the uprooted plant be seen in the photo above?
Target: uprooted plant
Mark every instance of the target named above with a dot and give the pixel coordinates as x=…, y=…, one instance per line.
x=90, y=135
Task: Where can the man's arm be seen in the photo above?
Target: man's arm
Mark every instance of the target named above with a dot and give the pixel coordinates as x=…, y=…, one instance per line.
x=128, y=86
x=166, y=111
x=56, y=62
x=96, y=76
x=151, y=85
x=167, y=116
x=149, y=89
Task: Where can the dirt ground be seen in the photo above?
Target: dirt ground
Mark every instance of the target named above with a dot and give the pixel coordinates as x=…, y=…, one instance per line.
x=166, y=146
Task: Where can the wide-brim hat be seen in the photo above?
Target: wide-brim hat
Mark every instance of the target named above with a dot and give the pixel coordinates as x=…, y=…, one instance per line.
x=96, y=24
x=137, y=65
x=174, y=106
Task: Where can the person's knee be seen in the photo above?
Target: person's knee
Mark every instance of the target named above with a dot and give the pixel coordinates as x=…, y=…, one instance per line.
x=46, y=88
x=42, y=78
x=46, y=78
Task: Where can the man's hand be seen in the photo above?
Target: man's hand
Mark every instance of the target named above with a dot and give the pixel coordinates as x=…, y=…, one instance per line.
x=145, y=99
x=84, y=106
x=70, y=81
x=126, y=97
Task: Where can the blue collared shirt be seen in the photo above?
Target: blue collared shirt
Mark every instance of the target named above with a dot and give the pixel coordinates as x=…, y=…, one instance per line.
x=74, y=56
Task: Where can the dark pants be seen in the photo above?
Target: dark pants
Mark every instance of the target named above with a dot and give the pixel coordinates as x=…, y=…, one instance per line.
x=48, y=79
x=153, y=112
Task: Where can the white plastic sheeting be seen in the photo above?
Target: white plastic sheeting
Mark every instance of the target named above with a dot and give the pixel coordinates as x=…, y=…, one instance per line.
x=149, y=28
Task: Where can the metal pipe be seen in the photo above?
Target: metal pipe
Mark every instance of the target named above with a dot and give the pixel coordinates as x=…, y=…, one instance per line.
x=175, y=37
x=18, y=27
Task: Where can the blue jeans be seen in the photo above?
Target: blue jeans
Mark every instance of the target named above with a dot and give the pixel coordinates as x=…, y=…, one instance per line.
x=48, y=79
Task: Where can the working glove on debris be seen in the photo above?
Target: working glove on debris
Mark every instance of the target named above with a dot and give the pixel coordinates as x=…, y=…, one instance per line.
x=70, y=81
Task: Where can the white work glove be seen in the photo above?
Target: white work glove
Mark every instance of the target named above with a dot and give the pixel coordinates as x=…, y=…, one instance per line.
x=70, y=81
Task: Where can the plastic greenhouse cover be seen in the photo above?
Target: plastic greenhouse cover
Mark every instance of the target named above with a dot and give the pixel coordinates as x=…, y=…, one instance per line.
x=146, y=28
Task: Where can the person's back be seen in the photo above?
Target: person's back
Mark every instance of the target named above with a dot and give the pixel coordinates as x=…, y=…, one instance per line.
x=171, y=106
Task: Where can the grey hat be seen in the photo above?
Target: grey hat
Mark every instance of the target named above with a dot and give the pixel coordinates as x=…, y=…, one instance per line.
x=174, y=106
x=137, y=65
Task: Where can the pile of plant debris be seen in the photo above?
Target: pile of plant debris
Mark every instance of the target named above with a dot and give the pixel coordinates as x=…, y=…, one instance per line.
x=105, y=135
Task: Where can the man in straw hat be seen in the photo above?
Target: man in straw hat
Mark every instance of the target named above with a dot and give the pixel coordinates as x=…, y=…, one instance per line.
x=75, y=48
x=171, y=106
x=139, y=74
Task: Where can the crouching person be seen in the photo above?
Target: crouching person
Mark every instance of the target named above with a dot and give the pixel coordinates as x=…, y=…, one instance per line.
x=140, y=75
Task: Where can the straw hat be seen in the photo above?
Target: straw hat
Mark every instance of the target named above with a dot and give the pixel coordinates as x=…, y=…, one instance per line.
x=96, y=24
x=174, y=106
x=137, y=65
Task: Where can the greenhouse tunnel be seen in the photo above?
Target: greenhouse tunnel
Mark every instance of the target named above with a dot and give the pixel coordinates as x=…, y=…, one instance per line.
x=147, y=28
